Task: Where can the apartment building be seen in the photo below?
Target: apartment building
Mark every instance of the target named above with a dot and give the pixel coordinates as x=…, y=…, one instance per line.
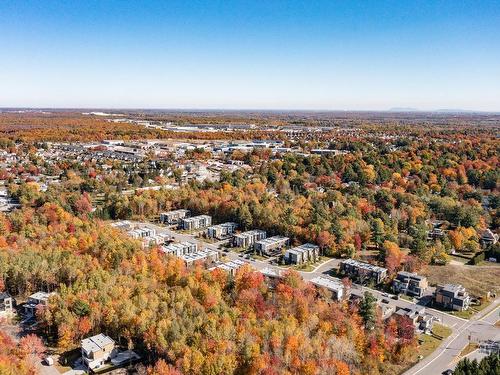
x=97, y=351
x=231, y=267
x=141, y=232
x=332, y=284
x=205, y=256
x=363, y=272
x=247, y=239
x=410, y=283
x=196, y=222
x=271, y=245
x=452, y=297
x=301, y=254
x=180, y=249
x=173, y=217
x=221, y=231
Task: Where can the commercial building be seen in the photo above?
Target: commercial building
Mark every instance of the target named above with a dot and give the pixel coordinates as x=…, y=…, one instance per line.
x=97, y=351
x=247, y=239
x=271, y=245
x=410, y=283
x=301, y=254
x=452, y=297
x=180, y=249
x=196, y=222
x=221, y=231
x=363, y=272
x=173, y=217
x=333, y=285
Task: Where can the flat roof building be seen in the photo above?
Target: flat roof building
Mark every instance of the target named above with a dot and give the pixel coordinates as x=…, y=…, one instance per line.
x=173, y=217
x=97, y=350
x=301, y=254
x=180, y=249
x=196, y=222
x=206, y=256
x=221, y=231
x=271, y=245
x=452, y=297
x=332, y=284
x=247, y=239
x=363, y=272
x=410, y=283
x=231, y=267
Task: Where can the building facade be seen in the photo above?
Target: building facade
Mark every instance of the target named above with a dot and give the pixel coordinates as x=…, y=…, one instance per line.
x=363, y=272
x=410, y=283
x=247, y=239
x=452, y=297
x=301, y=254
x=196, y=222
x=272, y=245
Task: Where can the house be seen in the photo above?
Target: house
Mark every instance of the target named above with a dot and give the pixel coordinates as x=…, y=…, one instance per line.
x=173, y=217
x=272, y=276
x=97, y=351
x=221, y=231
x=302, y=254
x=179, y=249
x=231, y=267
x=271, y=245
x=417, y=315
x=248, y=239
x=35, y=301
x=410, y=283
x=332, y=284
x=363, y=272
x=452, y=297
x=196, y=222
x=488, y=238
x=205, y=256
x=6, y=304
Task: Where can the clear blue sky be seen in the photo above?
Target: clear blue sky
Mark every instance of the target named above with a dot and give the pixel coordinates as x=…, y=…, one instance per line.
x=266, y=54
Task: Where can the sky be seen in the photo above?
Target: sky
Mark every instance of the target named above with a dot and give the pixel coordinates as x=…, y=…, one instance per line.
x=255, y=54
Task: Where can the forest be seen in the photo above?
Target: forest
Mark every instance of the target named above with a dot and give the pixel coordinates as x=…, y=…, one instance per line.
x=380, y=197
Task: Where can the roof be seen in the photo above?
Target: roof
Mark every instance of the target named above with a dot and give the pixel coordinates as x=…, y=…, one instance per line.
x=4, y=295
x=41, y=296
x=96, y=343
x=271, y=272
x=303, y=248
x=328, y=283
x=367, y=266
x=272, y=240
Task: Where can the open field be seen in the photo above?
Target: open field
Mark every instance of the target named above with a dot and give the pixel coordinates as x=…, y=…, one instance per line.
x=478, y=280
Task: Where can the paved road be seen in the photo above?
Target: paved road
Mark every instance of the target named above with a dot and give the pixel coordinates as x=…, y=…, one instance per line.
x=479, y=328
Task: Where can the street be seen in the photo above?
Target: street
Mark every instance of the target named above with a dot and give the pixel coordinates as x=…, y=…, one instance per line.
x=480, y=327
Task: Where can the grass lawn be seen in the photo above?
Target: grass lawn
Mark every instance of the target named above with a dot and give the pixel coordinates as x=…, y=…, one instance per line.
x=467, y=314
x=429, y=343
x=468, y=349
x=476, y=279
